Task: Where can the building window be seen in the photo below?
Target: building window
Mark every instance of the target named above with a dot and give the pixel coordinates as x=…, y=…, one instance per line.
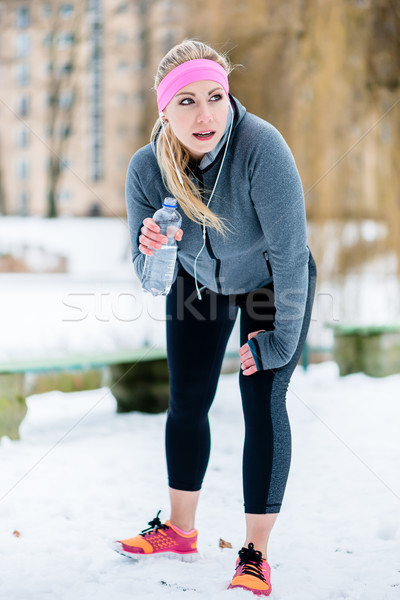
x=66, y=131
x=139, y=65
x=23, y=106
x=139, y=97
x=66, y=68
x=23, y=137
x=46, y=10
x=22, y=203
x=65, y=39
x=96, y=171
x=22, y=169
x=22, y=17
x=122, y=66
x=63, y=196
x=23, y=44
x=47, y=39
x=65, y=163
x=94, y=210
x=66, y=11
x=66, y=99
x=23, y=74
x=121, y=38
x=122, y=7
x=97, y=163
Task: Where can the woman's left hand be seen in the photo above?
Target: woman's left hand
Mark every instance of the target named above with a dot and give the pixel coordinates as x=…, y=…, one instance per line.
x=248, y=363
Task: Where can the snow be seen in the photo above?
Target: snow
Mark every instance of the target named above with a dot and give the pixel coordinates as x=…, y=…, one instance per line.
x=92, y=245
x=83, y=475
x=60, y=315
x=369, y=292
x=97, y=306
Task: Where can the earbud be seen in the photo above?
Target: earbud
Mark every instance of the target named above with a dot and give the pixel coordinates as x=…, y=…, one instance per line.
x=163, y=120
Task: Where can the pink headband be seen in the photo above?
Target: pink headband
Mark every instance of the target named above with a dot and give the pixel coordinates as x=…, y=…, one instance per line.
x=201, y=69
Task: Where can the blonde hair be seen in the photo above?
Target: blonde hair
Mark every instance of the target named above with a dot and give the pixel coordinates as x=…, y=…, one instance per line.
x=189, y=199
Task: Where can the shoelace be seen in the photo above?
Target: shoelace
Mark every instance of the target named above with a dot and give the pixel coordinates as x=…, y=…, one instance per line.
x=251, y=561
x=155, y=525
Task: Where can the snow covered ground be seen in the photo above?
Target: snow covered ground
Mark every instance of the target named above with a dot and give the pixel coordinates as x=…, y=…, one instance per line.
x=82, y=476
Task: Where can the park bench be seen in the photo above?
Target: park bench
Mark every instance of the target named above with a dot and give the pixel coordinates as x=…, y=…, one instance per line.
x=138, y=379
x=373, y=350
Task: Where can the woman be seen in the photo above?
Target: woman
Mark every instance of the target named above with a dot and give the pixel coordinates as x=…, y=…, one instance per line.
x=244, y=247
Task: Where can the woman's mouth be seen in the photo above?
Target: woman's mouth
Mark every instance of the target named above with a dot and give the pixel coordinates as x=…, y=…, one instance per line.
x=204, y=135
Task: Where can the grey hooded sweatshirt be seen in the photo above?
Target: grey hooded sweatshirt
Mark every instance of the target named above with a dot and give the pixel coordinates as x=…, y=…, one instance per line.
x=260, y=195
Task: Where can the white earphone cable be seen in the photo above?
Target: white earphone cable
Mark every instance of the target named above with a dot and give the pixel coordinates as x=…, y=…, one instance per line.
x=211, y=195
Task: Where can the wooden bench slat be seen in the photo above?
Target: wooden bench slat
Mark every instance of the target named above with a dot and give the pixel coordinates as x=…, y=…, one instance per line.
x=83, y=361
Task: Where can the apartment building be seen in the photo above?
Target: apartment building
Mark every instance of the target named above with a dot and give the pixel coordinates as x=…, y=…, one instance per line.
x=76, y=100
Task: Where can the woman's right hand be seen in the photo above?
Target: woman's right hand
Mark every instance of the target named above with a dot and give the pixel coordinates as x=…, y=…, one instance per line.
x=151, y=240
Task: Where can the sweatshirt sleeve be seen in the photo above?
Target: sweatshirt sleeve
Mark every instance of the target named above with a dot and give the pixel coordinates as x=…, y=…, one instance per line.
x=138, y=208
x=278, y=198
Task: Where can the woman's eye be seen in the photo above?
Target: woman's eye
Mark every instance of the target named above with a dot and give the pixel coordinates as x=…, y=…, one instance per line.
x=187, y=101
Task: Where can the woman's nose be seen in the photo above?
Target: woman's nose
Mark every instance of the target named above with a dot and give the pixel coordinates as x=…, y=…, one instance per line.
x=204, y=114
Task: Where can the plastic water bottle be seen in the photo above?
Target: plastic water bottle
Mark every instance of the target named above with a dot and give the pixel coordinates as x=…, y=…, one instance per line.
x=159, y=268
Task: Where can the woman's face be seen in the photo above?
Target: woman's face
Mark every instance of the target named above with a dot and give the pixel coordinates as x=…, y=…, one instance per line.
x=197, y=115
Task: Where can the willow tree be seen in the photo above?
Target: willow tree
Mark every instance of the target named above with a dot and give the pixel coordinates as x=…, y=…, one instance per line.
x=327, y=75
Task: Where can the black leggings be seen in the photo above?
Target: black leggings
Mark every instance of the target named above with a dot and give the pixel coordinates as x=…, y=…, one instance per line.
x=197, y=335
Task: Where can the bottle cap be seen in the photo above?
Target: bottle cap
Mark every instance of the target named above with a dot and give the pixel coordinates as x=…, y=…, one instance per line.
x=170, y=203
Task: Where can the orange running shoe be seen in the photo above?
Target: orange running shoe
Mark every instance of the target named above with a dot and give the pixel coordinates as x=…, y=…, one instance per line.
x=160, y=538
x=252, y=573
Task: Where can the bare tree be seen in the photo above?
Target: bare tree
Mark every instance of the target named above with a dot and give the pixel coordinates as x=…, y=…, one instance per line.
x=161, y=26
x=144, y=8
x=62, y=89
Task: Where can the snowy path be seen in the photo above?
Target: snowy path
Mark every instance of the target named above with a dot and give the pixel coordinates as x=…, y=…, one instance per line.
x=82, y=476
